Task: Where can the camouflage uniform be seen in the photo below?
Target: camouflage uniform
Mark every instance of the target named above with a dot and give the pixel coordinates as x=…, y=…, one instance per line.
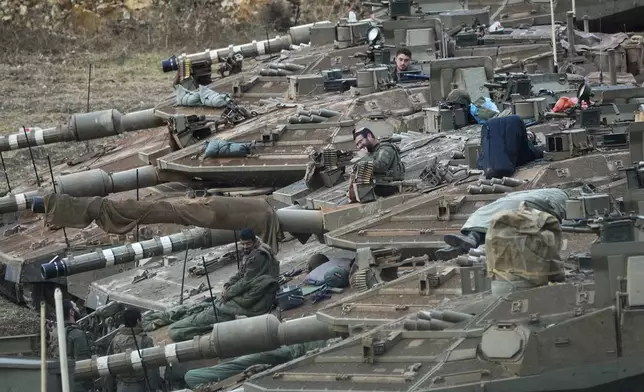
x=77, y=350
x=135, y=381
x=387, y=166
x=260, y=261
x=250, y=292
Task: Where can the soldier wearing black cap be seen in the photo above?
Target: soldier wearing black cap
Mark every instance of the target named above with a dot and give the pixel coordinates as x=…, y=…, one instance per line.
x=259, y=259
x=387, y=165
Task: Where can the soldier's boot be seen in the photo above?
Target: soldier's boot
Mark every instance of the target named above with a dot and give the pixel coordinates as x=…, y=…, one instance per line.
x=465, y=242
x=448, y=253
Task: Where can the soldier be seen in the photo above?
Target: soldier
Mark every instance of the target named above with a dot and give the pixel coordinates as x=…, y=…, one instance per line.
x=403, y=60
x=259, y=259
x=77, y=345
x=387, y=165
x=250, y=292
x=125, y=340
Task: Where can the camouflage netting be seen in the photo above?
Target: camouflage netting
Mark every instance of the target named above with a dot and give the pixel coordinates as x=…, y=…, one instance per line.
x=524, y=244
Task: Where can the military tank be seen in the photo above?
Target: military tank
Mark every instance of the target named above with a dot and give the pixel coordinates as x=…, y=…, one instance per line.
x=483, y=337
x=278, y=107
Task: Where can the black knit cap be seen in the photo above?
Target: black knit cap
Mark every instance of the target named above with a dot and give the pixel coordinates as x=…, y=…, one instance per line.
x=247, y=234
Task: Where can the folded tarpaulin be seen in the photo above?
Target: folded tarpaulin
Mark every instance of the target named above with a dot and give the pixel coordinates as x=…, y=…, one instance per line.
x=224, y=148
x=204, y=97
x=122, y=216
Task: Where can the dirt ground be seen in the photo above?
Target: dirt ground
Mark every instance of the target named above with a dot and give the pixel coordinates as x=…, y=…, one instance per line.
x=45, y=91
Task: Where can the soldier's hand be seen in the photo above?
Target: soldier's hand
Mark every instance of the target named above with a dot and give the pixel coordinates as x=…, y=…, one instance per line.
x=363, y=152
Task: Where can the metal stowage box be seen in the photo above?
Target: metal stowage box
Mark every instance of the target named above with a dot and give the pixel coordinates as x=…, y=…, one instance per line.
x=442, y=120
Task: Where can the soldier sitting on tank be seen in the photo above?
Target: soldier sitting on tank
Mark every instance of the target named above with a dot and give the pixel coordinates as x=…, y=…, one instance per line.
x=385, y=156
x=78, y=347
x=250, y=292
x=131, y=337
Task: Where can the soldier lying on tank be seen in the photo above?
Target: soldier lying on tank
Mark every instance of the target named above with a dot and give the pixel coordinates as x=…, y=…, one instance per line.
x=196, y=378
x=387, y=165
x=474, y=230
x=251, y=292
x=125, y=340
x=78, y=347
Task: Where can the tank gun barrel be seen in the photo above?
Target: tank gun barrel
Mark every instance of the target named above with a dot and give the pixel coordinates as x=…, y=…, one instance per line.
x=81, y=127
x=296, y=35
x=227, y=340
x=191, y=239
x=293, y=220
x=95, y=182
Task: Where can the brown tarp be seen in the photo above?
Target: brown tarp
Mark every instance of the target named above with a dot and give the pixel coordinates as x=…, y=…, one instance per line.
x=121, y=217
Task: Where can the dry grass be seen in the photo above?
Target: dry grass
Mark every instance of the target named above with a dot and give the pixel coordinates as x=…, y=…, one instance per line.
x=45, y=91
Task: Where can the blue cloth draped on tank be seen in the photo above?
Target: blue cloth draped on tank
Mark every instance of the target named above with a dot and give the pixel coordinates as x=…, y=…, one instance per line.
x=505, y=146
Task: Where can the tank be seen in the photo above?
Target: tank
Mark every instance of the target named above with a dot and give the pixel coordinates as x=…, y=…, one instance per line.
x=292, y=99
x=489, y=341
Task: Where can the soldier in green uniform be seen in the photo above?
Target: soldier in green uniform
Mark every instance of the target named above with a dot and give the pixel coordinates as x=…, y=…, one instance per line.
x=258, y=259
x=387, y=165
x=250, y=292
x=77, y=345
x=125, y=340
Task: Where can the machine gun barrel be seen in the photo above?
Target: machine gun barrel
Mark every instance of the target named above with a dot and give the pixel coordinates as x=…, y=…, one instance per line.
x=415, y=76
x=227, y=340
x=83, y=126
x=294, y=220
x=296, y=35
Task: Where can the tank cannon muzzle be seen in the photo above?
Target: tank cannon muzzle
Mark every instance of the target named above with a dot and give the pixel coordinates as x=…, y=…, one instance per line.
x=170, y=64
x=54, y=269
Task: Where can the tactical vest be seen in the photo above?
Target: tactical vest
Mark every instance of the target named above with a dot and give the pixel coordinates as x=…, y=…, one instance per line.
x=397, y=170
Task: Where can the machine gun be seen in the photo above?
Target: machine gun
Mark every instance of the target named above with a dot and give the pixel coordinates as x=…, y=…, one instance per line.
x=335, y=80
x=327, y=168
x=187, y=130
x=234, y=114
